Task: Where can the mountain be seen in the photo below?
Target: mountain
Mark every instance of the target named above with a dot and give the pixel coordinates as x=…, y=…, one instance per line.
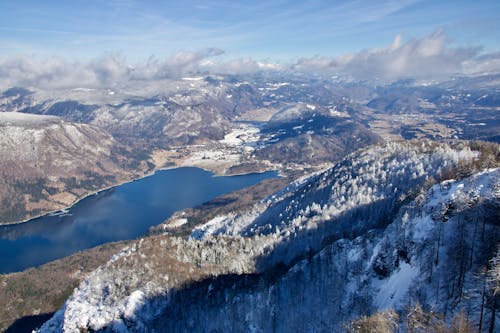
x=299, y=121
x=301, y=133
x=47, y=164
x=387, y=227
x=217, y=123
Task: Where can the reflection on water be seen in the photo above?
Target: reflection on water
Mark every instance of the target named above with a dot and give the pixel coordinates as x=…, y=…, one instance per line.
x=124, y=212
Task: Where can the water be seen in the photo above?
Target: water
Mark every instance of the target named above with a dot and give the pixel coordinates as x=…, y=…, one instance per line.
x=124, y=212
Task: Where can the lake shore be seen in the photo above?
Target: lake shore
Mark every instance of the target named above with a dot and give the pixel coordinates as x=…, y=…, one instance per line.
x=216, y=172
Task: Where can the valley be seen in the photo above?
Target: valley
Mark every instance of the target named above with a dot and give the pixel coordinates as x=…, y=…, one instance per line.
x=354, y=159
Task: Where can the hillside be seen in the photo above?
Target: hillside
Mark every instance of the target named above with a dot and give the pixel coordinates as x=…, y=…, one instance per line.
x=48, y=163
x=387, y=227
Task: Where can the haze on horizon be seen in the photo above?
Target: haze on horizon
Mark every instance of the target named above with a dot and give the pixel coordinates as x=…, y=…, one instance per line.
x=42, y=43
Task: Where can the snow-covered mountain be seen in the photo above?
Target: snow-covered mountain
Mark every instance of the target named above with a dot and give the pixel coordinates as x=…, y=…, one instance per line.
x=388, y=227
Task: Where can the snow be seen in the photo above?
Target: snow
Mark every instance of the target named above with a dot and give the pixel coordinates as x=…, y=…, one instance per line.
x=25, y=119
x=275, y=86
x=133, y=303
x=244, y=134
x=177, y=223
x=83, y=89
x=26, y=137
x=376, y=251
x=478, y=185
x=392, y=290
x=210, y=227
x=354, y=254
x=211, y=157
x=423, y=228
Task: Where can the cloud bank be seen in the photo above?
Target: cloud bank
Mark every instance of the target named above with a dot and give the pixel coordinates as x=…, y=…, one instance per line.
x=429, y=57
x=105, y=71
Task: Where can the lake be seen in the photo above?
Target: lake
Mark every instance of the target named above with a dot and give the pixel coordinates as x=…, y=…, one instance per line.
x=123, y=212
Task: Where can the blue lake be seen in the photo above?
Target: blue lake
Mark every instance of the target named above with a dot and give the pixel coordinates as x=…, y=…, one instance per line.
x=123, y=212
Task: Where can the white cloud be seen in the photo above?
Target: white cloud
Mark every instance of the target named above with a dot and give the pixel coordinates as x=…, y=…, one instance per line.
x=488, y=63
x=106, y=71
x=182, y=62
x=241, y=66
x=51, y=72
x=111, y=70
x=431, y=56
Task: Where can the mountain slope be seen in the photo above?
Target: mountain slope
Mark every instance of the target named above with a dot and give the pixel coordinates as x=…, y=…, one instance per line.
x=417, y=258
x=361, y=236
x=47, y=163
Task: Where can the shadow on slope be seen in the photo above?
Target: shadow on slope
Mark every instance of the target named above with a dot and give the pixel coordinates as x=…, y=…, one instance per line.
x=194, y=306
x=310, y=289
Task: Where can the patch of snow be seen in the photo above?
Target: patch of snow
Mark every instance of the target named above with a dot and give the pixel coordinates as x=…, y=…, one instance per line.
x=354, y=254
x=422, y=228
x=244, y=134
x=210, y=227
x=203, y=157
x=392, y=290
x=177, y=223
x=83, y=89
x=134, y=302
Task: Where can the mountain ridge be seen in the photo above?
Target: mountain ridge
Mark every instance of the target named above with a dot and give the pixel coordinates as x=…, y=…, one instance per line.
x=48, y=163
x=243, y=273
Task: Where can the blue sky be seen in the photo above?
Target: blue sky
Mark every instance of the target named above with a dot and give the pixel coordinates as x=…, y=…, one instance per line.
x=97, y=43
x=281, y=30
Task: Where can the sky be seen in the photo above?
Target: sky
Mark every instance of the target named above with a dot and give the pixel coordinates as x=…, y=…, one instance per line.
x=250, y=34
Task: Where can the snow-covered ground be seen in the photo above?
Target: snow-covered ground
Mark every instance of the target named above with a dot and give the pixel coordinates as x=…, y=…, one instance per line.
x=215, y=160
x=244, y=135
